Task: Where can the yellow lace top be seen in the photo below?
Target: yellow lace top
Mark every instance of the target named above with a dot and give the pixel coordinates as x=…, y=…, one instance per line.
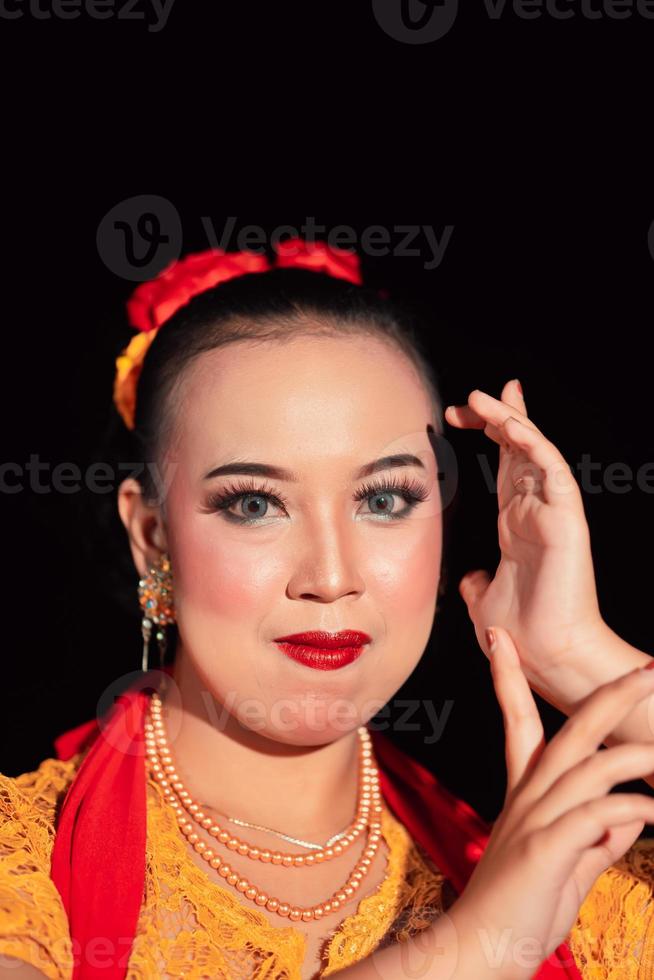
x=191, y=927
x=613, y=937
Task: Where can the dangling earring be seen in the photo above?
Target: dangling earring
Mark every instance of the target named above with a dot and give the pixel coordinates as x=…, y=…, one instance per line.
x=156, y=600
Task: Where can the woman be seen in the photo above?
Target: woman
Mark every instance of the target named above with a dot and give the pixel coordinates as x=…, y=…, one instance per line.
x=288, y=521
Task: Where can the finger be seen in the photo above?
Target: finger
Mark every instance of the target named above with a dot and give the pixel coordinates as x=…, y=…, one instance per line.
x=595, y=776
x=512, y=395
x=563, y=842
x=616, y=842
x=546, y=471
x=523, y=728
x=473, y=585
x=586, y=729
x=474, y=414
x=464, y=417
x=495, y=411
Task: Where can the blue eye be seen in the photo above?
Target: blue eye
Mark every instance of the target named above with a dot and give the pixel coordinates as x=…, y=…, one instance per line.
x=411, y=491
x=252, y=498
x=250, y=502
x=388, y=502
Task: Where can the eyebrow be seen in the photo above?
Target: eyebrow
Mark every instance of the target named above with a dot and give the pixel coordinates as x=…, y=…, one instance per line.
x=244, y=468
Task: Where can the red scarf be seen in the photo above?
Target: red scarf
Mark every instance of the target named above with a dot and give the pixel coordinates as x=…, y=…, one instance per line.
x=98, y=856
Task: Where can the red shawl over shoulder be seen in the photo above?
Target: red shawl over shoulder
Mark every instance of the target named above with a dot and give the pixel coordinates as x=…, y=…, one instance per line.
x=98, y=856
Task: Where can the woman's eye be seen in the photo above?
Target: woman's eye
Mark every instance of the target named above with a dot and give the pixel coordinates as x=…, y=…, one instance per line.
x=382, y=500
x=247, y=508
x=383, y=503
x=251, y=506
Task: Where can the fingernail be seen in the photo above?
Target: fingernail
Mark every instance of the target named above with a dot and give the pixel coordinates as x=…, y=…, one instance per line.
x=518, y=385
x=491, y=639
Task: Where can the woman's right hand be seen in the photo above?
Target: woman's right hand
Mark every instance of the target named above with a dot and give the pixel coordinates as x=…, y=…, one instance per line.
x=560, y=827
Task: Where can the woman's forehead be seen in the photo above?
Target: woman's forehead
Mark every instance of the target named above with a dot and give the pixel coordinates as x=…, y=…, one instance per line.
x=296, y=411
x=307, y=385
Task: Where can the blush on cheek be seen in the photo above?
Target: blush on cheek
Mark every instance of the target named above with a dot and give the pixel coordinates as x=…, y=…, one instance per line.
x=426, y=573
x=406, y=574
x=222, y=578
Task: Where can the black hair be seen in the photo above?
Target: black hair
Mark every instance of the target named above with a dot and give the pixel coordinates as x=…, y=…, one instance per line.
x=276, y=305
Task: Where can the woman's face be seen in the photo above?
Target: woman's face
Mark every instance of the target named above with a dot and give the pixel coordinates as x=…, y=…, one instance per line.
x=319, y=559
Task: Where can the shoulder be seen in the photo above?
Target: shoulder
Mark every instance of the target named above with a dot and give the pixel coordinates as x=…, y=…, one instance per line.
x=36, y=795
x=51, y=774
x=29, y=804
x=33, y=923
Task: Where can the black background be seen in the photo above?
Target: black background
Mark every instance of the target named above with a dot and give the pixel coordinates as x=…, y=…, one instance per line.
x=528, y=137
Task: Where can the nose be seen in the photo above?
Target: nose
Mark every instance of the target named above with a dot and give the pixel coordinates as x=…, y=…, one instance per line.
x=326, y=566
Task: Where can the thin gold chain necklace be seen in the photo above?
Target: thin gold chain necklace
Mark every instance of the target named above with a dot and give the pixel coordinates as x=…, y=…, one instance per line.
x=180, y=800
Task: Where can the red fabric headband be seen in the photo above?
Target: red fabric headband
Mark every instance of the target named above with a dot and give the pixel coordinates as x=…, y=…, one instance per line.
x=155, y=301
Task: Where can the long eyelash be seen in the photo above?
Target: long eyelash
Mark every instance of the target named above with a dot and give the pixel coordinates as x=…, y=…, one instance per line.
x=223, y=499
x=412, y=490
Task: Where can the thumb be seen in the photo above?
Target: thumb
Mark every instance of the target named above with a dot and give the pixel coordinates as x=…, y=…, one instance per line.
x=473, y=585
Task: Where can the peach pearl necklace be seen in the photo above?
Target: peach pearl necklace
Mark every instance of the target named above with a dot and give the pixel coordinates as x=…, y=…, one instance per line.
x=368, y=816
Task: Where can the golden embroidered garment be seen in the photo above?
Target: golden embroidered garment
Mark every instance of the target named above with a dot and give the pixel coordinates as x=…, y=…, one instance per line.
x=613, y=937
x=191, y=927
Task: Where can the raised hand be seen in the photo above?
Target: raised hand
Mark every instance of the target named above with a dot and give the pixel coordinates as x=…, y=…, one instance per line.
x=560, y=827
x=543, y=591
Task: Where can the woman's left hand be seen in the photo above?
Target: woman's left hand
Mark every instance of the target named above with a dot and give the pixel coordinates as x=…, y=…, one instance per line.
x=543, y=591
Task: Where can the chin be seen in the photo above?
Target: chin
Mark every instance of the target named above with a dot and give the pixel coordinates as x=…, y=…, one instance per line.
x=303, y=732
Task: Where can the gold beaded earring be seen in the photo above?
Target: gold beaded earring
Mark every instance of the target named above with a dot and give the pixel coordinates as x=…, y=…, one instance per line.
x=156, y=600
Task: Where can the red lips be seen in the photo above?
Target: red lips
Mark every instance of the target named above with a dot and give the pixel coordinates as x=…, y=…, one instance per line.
x=324, y=651
x=326, y=641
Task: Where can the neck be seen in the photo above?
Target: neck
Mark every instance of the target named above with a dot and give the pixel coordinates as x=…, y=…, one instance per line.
x=308, y=792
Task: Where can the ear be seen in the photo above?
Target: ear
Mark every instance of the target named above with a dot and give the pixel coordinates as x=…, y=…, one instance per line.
x=144, y=525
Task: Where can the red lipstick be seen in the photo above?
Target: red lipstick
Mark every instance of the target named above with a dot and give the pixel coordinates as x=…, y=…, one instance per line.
x=324, y=651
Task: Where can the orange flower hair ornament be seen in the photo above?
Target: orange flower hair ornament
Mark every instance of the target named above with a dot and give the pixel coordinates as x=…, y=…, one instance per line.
x=155, y=301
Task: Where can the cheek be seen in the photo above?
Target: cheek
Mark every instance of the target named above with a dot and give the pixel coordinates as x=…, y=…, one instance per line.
x=229, y=574
x=403, y=573
x=220, y=574
x=405, y=568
